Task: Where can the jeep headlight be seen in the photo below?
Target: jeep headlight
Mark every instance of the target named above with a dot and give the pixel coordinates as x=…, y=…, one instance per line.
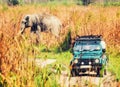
x=97, y=61
x=76, y=61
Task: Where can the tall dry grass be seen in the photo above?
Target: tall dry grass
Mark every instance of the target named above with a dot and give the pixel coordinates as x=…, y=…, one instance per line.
x=80, y=20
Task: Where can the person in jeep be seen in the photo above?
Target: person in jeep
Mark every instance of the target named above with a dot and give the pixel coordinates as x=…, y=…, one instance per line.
x=103, y=44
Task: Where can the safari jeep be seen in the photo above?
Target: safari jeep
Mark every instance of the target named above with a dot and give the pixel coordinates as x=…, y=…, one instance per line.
x=88, y=56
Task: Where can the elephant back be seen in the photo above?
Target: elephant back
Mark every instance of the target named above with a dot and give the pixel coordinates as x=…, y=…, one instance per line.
x=52, y=23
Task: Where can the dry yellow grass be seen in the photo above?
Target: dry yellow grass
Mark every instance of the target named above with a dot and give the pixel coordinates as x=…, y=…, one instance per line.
x=81, y=20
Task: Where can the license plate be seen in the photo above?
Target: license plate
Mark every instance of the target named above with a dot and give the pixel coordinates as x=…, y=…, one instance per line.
x=87, y=66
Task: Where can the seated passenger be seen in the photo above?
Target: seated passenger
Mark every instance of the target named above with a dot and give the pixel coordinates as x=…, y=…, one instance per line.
x=103, y=44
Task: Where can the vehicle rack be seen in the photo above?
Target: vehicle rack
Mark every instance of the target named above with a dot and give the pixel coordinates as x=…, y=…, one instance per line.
x=89, y=37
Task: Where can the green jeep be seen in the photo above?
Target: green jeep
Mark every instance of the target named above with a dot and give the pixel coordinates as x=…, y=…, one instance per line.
x=88, y=55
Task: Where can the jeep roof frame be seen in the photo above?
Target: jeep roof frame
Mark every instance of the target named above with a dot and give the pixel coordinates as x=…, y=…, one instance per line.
x=89, y=38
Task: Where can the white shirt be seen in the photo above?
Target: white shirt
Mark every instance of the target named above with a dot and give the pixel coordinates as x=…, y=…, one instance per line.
x=103, y=44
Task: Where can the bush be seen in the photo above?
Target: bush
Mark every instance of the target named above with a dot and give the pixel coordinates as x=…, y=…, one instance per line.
x=13, y=2
x=112, y=4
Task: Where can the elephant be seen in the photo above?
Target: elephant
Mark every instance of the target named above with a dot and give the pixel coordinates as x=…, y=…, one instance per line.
x=41, y=23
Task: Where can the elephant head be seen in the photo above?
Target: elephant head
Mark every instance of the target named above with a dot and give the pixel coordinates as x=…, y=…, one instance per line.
x=26, y=22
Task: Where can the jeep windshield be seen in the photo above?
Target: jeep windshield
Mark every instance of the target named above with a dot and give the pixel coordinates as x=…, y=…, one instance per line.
x=87, y=46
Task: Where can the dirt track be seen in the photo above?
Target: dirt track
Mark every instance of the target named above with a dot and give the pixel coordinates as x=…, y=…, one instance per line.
x=43, y=63
x=84, y=80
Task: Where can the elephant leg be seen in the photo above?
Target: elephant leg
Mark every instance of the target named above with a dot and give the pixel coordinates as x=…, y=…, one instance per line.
x=35, y=34
x=32, y=35
x=55, y=32
x=38, y=31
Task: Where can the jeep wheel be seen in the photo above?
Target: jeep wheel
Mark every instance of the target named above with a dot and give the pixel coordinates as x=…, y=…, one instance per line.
x=98, y=71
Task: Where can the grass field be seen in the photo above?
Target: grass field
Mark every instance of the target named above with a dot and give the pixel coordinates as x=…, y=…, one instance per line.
x=15, y=72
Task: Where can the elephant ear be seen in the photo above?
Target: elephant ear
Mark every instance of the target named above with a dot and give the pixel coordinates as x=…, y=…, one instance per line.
x=27, y=18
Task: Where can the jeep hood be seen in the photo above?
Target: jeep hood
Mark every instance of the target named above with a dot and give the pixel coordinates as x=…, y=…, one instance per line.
x=87, y=54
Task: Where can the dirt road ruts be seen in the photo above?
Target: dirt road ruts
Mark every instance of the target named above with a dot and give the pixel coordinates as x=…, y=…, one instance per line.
x=88, y=80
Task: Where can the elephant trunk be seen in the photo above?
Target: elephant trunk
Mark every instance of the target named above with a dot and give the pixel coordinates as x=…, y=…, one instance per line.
x=22, y=29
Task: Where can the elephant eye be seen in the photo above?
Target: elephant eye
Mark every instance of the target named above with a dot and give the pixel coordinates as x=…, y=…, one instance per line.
x=23, y=22
x=26, y=23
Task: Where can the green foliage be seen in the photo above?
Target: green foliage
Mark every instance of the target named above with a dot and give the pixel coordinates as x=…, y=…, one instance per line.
x=21, y=2
x=79, y=2
x=1, y=80
x=114, y=61
x=46, y=77
x=4, y=7
x=109, y=3
x=65, y=45
x=56, y=2
x=66, y=3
